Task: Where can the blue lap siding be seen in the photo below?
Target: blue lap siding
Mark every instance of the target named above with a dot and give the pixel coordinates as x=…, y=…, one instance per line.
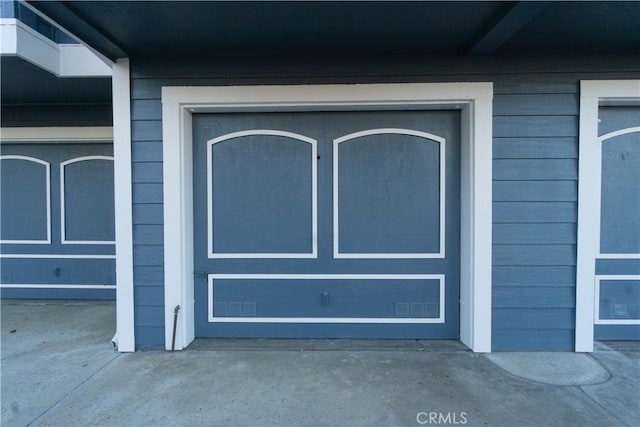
x=535, y=149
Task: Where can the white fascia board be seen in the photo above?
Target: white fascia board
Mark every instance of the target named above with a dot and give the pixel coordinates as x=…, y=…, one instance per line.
x=8, y=37
x=29, y=45
x=56, y=134
x=68, y=60
x=78, y=61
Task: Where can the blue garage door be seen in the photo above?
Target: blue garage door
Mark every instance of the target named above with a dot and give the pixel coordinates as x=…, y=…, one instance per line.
x=617, y=281
x=342, y=224
x=57, y=221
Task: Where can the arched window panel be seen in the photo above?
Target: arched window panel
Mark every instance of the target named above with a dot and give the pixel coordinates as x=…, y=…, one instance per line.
x=25, y=199
x=389, y=189
x=262, y=195
x=87, y=200
x=620, y=193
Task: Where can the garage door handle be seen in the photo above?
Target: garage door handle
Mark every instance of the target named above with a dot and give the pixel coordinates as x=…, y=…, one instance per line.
x=325, y=298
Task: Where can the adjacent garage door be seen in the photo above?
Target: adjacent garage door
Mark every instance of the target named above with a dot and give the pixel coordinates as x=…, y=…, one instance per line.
x=337, y=224
x=57, y=220
x=617, y=281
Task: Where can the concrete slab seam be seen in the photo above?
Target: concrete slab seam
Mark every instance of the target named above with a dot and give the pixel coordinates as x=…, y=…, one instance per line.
x=603, y=408
x=57, y=402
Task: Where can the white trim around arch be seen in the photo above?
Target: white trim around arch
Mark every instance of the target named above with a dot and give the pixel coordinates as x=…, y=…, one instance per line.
x=474, y=100
x=593, y=94
x=47, y=171
x=63, y=219
x=336, y=181
x=313, y=253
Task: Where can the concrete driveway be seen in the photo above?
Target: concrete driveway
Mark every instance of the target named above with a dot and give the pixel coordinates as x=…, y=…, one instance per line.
x=58, y=369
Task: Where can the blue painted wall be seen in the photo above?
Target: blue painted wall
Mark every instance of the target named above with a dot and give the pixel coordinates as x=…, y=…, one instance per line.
x=535, y=172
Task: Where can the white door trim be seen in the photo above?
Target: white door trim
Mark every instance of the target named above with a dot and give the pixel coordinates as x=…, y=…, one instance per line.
x=473, y=99
x=593, y=93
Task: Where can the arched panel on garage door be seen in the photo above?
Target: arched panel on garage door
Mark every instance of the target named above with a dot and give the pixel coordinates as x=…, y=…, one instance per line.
x=261, y=195
x=389, y=194
x=26, y=200
x=87, y=200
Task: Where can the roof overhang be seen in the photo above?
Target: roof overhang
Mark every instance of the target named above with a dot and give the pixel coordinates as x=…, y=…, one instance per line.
x=184, y=29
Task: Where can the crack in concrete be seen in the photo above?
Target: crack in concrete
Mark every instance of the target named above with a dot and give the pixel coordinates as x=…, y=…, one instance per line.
x=66, y=395
x=600, y=405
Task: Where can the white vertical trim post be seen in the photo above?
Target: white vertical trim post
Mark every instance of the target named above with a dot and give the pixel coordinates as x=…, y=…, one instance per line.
x=125, y=335
x=592, y=92
x=178, y=223
x=476, y=223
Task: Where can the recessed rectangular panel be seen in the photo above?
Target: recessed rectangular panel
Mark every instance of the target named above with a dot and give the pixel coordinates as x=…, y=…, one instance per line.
x=304, y=299
x=389, y=195
x=88, y=200
x=55, y=271
x=620, y=195
x=619, y=299
x=25, y=198
x=261, y=194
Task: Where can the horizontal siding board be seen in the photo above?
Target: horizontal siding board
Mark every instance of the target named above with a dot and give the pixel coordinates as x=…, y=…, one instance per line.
x=541, y=84
x=533, y=318
x=147, y=235
x=149, y=337
x=148, y=255
x=535, y=148
x=534, y=255
x=535, y=105
x=150, y=296
x=536, y=234
x=148, y=315
x=146, y=151
x=146, y=109
x=533, y=297
x=145, y=275
x=532, y=340
x=148, y=214
x=146, y=88
x=146, y=130
x=535, y=169
x=535, y=126
x=539, y=212
x=533, y=275
x=147, y=193
x=535, y=191
x=147, y=172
